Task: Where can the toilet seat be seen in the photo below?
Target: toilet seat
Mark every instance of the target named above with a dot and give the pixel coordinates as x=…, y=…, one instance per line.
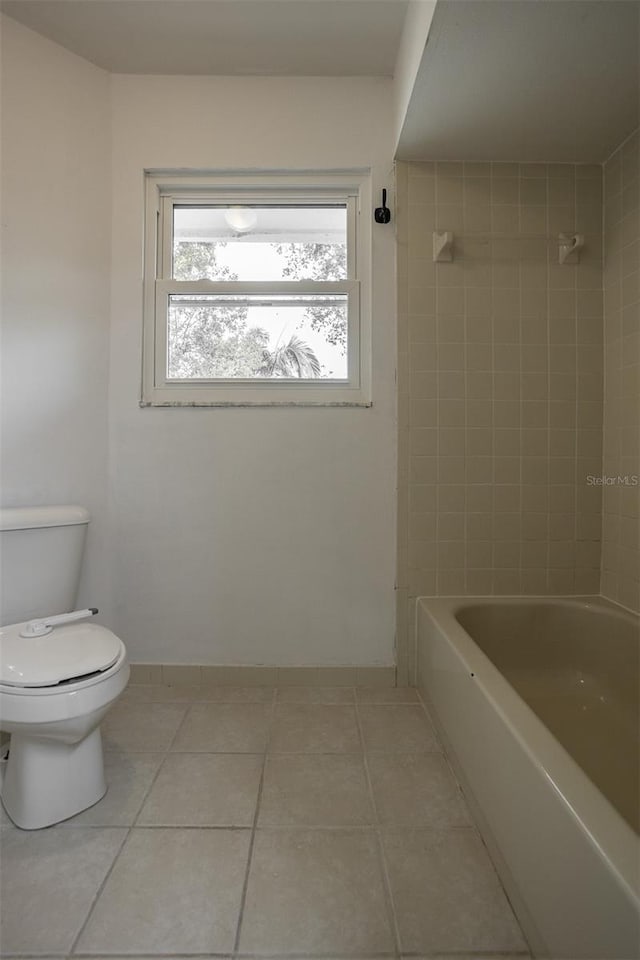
x=63, y=656
x=55, y=767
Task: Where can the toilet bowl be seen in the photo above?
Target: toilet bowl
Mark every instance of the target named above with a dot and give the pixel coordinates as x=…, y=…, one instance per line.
x=54, y=692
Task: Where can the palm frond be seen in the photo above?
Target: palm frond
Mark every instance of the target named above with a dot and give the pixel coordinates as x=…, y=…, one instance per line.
x=293, y=359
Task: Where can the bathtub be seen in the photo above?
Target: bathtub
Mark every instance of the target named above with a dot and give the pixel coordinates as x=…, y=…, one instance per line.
x=536, y=701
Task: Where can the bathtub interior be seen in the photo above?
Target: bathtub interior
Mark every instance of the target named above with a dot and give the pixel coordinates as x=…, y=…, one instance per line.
x=577, y=668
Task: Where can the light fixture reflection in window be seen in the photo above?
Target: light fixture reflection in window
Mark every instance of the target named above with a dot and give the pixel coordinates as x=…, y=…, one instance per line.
x=241, y=219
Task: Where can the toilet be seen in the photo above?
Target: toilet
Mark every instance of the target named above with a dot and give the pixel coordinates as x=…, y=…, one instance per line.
x=59, y=674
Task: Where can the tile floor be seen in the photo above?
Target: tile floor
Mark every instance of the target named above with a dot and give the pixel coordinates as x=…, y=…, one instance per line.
x=298, y=822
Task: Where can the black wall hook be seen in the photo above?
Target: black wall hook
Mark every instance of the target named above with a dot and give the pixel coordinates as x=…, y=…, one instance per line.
x=382, y=214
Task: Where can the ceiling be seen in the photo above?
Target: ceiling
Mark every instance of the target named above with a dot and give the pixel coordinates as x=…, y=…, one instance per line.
x=528, y=80
x=546, y=80
x=223, y=37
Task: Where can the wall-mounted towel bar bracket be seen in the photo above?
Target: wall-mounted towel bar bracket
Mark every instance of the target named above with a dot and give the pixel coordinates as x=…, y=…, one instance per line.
x=443, y=247
x=569, y=246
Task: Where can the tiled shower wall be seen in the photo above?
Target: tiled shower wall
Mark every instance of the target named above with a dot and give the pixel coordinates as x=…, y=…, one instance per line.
x=500, y=372
x=621, y=520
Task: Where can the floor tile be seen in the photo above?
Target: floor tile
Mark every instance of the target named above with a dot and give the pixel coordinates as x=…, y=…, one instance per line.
x=224, y=728
x=5, y=819
x=318, y=790
x=314, y=728
x=224, y=694
x=416, y=790
x=204, y=790
x=184, y=693
x=387, y=695
x=315, y=695
x=446, y=894
x=143, y=727
x=315, y=891
x=171, y=891
x=391, y=728
x=129, y=776
x=159, y=693
x=41, y=914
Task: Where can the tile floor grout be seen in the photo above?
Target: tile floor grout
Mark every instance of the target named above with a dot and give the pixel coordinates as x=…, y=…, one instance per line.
x=391, y=911
x=298, y=955
x=276, y=695
x=130, y=829
x=375, y=827
x=99, y=890
x=472, y=821
x=245, y=886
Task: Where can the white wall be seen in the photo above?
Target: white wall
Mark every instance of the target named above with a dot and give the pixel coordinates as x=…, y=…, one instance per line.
x=415, y=33
x=248, y=536
x=55, y=284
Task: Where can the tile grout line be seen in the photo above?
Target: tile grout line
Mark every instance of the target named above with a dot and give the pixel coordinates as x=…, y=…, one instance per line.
x=476, y=830
x=331, y=955
x=282, y=828
x=377, y=829
x=245, y=885
x=154, y=779
x=389, y=904
x=99, y=892
x=436, y=736
x=409, y=955
x=125, y=841
x=452, y=772
x=189, y=701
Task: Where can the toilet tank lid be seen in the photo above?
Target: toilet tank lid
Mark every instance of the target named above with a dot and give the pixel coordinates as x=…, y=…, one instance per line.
x=23, y=518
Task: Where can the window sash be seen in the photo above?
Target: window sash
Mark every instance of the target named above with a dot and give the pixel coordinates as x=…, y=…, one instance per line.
x=165, y=189
x=169, y=201
x=165, y=289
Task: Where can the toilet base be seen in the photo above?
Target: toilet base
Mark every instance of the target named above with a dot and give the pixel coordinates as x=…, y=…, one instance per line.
x=47, y=781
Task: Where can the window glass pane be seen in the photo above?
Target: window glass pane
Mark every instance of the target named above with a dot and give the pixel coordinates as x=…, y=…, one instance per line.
x=260, y=242
x=238, y=337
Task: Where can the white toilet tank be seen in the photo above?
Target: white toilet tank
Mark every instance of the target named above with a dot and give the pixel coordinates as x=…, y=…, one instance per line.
x=40, y=560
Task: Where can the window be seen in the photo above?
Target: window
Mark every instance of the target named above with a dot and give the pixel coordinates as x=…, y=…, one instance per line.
x=256, y=290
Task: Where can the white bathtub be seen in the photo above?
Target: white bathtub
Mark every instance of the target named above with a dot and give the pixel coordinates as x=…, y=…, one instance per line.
x=569, y=860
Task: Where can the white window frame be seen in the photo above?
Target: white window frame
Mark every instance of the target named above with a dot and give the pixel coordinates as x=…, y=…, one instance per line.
x=166, y=189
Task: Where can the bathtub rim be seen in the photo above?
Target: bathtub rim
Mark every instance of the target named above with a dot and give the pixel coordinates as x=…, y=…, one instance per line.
x=616, y=843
